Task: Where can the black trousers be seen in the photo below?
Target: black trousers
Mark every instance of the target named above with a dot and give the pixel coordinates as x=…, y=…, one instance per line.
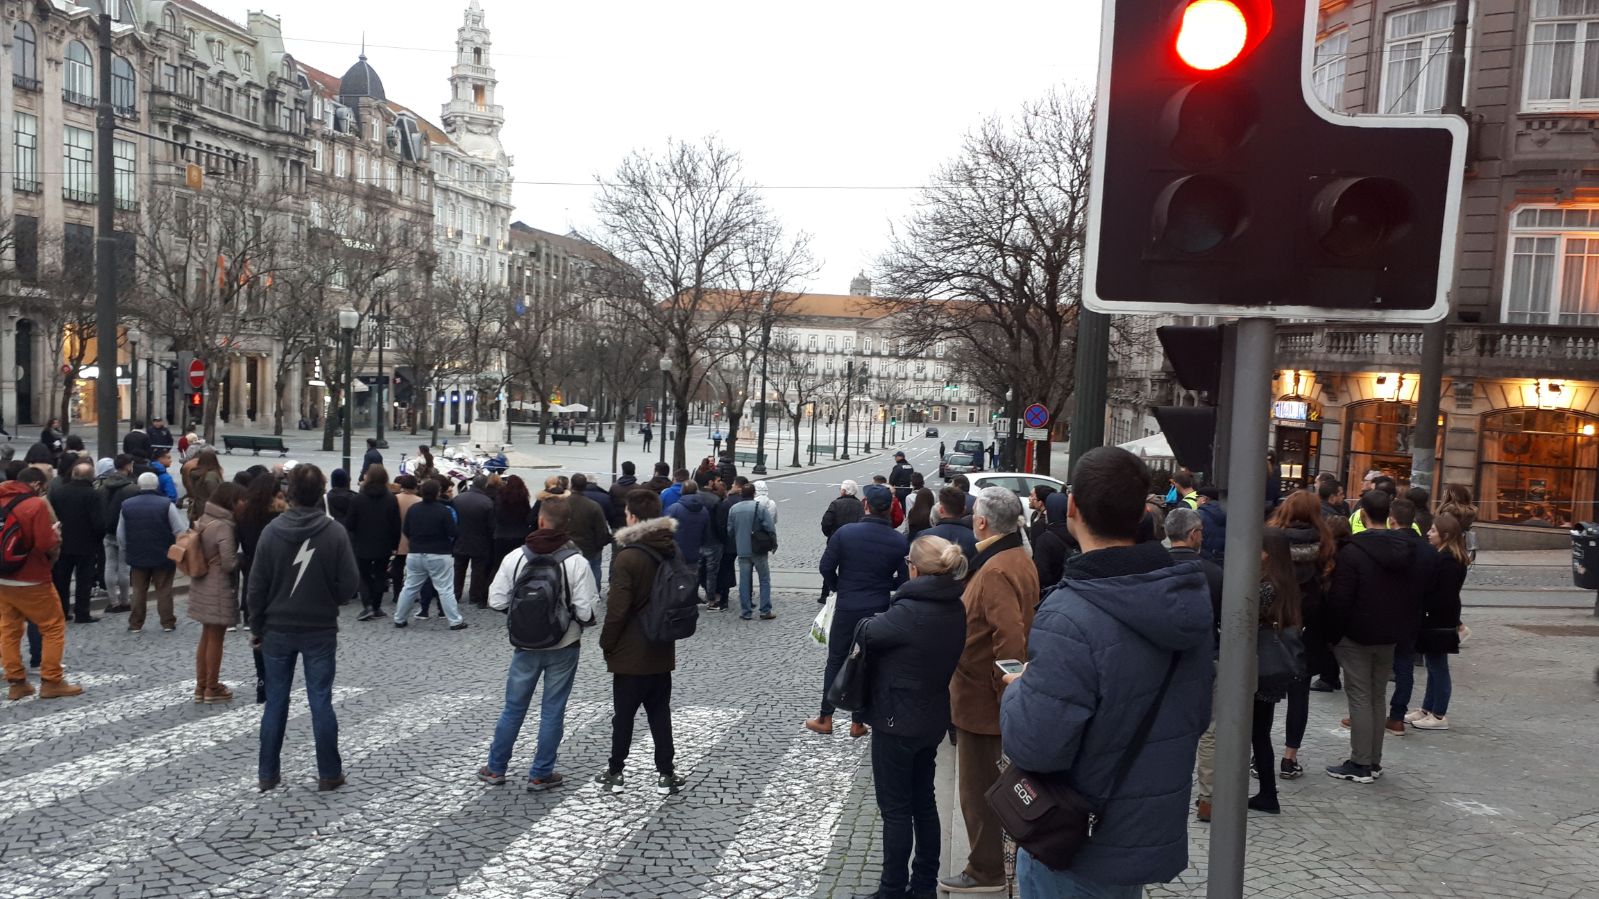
x=374, y=579
x=1260, y=741
x=654, y=693
x=66, y=570
x=482, y=573
x=839, y=637
x=902, y=769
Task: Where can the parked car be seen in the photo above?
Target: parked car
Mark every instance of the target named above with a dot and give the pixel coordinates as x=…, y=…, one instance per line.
x=1019, y=483
x=954, y=464
x=932, y=432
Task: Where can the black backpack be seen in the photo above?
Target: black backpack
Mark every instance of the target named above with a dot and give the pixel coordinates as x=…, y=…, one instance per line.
x=541, y=602
x=674, y=607
x=14, y=543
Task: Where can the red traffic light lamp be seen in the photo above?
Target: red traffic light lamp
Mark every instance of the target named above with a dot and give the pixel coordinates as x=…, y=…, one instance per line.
x=1211, y=34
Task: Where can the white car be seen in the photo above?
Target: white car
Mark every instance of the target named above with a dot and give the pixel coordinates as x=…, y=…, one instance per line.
x=1018, y=483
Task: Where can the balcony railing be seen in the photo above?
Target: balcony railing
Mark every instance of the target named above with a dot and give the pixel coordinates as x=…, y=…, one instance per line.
x=1525, y=351
x=79, y=196
x=78, y=99
x=24, y=82
x=25, y=185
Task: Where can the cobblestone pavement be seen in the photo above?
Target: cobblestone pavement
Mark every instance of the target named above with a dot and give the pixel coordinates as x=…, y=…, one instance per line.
x=134, y=791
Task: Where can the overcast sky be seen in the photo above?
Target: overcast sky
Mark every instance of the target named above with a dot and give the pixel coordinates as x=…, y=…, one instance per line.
x=865, y=93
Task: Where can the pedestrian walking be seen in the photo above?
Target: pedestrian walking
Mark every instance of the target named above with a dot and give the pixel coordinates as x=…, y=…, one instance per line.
x=27, y=595
x=1125, y=638
x=845, y=509
x=372, y=457
x=112, y=487
x=641, y=670
x=752, y=533
x=213, y=595
x=899, y=478
x=1000, y=596
x=430, y=529
x=1440, y=633
x=149, y=526
x=917, y=640
x=649, y=435
x=864, y=564
x=304, y=569
x=546, y=580
x=716, y=441
x=474, y=543
x=1280, y=610
x=52, y=436
x=81, y=513
x=373, y=524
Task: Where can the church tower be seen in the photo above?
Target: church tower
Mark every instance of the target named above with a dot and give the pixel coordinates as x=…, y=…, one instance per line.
x=471, y=118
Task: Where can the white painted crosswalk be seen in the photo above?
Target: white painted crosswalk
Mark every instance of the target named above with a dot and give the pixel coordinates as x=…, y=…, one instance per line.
x=86, y=716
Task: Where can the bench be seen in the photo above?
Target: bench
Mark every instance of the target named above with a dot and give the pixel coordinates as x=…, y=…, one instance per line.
x=231, y=442
x=820, y=448
x=750, y=458
x=570, y=438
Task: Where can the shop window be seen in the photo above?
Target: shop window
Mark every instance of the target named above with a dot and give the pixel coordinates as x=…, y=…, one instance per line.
x=1538, y=467
x=1378, y=439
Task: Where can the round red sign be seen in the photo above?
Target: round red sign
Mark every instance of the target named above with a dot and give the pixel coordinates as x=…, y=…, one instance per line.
x=197, y=374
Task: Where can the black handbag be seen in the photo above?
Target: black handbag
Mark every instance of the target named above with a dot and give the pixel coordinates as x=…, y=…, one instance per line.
x=1280, y=660
x=763, y=542
x=849, y=690
x=1048, y=818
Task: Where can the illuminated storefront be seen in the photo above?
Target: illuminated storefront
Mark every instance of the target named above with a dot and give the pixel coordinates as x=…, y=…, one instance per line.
x=1538, y=467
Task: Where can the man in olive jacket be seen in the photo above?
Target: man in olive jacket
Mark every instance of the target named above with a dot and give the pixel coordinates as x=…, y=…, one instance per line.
x=641, y=671
x=1000, y=596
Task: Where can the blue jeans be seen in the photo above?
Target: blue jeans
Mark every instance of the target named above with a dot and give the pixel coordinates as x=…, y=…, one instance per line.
x=594, y=565
x=559, y=668
x=421, y=568
x=1039, y=881
x=757, y=563
x=278, y=651
x=1404, y=680
x=1439, y=685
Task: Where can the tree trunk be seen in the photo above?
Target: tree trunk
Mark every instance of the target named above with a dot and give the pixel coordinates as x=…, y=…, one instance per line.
x=680, y=452
x=331, y=420
x=214, y=391
x=796, y=420
x=733, y=418
x=279, y=384
x=544, y=419
x=616, y=445
x=66, y=403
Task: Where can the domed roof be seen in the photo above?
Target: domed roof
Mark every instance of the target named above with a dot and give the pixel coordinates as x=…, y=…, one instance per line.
x=360, y=81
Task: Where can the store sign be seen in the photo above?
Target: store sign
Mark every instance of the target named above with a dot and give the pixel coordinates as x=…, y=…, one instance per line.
x=1290, y=410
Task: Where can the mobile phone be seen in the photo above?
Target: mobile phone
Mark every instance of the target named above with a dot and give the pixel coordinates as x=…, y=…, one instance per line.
x=1010, y=666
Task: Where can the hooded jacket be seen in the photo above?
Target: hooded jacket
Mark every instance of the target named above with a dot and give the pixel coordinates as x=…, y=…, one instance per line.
x=616, y=515
x=373, y=522
x=114, y=488
x=1054, y=544
x=632, y=578
x=1099, y=648
x=164, y=479
x=864, y=563
x=302, y=569
x=670, y=495
x=841, y=511
x=602, y=498
x=693, y=520
x=911, y=653
x=1372, y=600
x=37, y=520
x=763, y=497
x=1214, y=545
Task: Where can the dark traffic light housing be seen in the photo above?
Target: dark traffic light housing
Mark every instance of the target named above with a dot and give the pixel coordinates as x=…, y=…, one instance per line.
x=1222, y=186
x=1195, y=357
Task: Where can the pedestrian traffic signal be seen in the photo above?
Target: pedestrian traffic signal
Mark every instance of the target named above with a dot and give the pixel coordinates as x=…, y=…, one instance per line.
x=1221, y=185
x=1194, y=354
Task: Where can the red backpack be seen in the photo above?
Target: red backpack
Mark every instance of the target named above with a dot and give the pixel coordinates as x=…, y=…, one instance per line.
x=15, y=547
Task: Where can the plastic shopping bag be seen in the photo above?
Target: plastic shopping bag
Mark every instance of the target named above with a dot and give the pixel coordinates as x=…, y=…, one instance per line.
x=823, y=623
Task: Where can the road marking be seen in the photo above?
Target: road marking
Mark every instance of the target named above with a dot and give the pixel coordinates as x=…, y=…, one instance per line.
x=44, y=728
x=86, y=681
x=567, y=847
x=1473, y=807
x=126, y=761
x=88, y=856
x=784, y=842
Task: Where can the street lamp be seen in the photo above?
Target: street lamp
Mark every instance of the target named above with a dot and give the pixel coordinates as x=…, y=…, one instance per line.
x=381, y=405
x=135, y=337
x=666, y=369
x=766, y=341
x=348, y=319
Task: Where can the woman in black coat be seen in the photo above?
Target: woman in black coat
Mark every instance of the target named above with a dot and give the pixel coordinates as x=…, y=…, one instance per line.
x=373, y=521
x=1440, y=625
x=1311, y=548
x=911, y=653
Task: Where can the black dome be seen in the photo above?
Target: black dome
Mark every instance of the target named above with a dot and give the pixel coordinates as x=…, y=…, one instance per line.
x=361, y=81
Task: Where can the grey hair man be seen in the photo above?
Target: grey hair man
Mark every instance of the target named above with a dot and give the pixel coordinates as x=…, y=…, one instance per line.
x=1185, y=528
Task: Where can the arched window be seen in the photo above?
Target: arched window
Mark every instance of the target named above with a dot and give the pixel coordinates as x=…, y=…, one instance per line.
x=25, y=56
x=169, y=21
x=80, y=75
x=477, y=56
x=1539, y=466
x=124, y=87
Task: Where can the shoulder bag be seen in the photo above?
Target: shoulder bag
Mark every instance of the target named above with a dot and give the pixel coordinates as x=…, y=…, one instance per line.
x=1280, y=659
x=849, y=689
x=1048, y=818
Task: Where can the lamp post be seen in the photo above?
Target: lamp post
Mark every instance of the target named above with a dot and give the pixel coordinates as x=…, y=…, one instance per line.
x=381, y=405
x=348, y=319
x=849, y=403
x=666, y=370
x=813, y=432
x=135, y=337
x=766, y=340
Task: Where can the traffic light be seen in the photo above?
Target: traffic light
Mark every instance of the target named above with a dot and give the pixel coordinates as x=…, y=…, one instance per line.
x=1195, y=357
x=1221, y=185
x=196, y=403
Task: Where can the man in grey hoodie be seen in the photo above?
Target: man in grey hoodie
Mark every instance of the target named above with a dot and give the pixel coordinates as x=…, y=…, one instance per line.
x=303, y=569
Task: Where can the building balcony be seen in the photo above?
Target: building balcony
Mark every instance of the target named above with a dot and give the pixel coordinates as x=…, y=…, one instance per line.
x=79, y=196
x=1475, y=351
x=77, y=99
x=162, y=101
x=25, y=185
x=24, y=83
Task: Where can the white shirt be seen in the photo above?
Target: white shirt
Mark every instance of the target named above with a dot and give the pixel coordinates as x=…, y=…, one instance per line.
x=587, y=606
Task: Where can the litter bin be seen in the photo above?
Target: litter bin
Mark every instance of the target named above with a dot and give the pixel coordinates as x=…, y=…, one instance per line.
x=1585, y=556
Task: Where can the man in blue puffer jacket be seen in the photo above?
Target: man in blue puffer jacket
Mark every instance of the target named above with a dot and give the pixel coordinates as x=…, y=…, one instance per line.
x=1100, y=646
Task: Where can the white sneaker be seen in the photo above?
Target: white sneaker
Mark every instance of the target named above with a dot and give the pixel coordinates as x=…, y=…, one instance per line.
x=1417, y=715
x=1431, y=723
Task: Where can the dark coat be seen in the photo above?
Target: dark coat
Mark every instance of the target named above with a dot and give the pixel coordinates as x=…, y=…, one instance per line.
x=911, y=653
x=1054, y=546
x=372, y=457
x=958, y=533
x=1371, y=601
x=602, y=498
x=147, y=530
x=113, y=489
x=632, y=578
x=1213, y=581
x=81, y=512
x=160, y=438
x=586, y=524
x=841, y=511
x=474, y=512
x=659, y=483
x=374, y=523
x=1099, y=647
x=864, y=563
x=724, y=507
x=616, y=516
x=726, y=470
x=137, y=443
x=512, y=525
x=339, y=501
x=430, y=529
x=693, y=520
x=1441, y=617
x=1214, y=544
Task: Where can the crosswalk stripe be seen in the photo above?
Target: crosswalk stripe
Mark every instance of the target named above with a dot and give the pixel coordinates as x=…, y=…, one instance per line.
x=87, y=681
x=388, y=821
x=565, y=848
x=792, y=823
x=89, y=715
x=87, y=857
x=128, y=760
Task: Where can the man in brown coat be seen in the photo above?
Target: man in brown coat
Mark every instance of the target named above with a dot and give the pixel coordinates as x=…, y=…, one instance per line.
x=641, y=671
x=1001, y=593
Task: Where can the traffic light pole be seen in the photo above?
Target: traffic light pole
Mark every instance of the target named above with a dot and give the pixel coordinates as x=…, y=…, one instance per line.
x=1092, y=363
x=1429, y=393
x=105, y=246
x=849, y=403
x=1235, y=672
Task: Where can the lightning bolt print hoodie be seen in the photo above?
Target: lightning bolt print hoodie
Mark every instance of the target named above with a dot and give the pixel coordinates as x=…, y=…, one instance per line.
x=303, y=568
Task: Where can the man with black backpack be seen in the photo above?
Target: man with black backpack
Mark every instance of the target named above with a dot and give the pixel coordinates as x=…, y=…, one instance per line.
x=653, y=602
x=29, y=538
x=548, y=594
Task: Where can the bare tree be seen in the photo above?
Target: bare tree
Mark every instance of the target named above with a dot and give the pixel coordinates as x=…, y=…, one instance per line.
x=62, y=301
x=300, y=324
x=796, y=382
x=708, y=251
x=997, y=242
x=431, y=340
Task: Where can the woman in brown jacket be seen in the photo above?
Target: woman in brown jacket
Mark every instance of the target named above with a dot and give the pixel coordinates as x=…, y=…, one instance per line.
x=202, y=480
x=213, y=596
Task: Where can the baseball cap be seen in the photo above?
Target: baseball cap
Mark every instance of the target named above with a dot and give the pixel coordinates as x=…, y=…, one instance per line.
x=880, y=498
